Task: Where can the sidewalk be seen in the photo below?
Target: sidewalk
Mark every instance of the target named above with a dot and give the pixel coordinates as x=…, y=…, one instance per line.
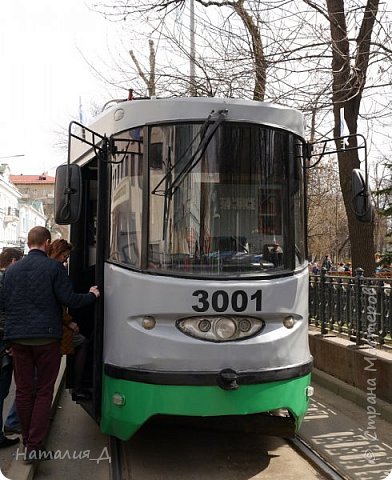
x=7, y=454
x=348, y=429
x=81, y=449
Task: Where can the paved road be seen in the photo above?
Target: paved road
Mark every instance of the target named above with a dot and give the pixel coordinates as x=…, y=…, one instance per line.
x=358, y=442
x=175, y=453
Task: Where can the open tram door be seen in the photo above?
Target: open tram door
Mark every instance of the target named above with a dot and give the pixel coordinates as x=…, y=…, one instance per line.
x=78, y=204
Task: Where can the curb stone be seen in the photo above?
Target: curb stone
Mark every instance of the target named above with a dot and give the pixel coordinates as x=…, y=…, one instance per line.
x=353, y=394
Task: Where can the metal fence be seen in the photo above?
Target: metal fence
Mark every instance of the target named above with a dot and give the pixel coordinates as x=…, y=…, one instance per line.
x=357, y=307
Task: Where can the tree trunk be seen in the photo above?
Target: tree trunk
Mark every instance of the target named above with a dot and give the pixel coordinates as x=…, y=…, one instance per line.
x=347, y=89
x=361, y=234
x=257, y=50
x=259, y=61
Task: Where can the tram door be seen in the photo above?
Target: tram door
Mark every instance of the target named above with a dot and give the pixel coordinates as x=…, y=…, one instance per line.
x=85, y=270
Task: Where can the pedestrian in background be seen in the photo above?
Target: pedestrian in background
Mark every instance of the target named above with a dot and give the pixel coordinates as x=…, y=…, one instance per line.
x=327, y=263
x=7, y=257
x=347, y=267
x=341, y=268
x=315, y=269
x=34, y=290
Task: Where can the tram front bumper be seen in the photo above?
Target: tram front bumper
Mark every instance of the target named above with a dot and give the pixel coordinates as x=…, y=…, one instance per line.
x=145, y=400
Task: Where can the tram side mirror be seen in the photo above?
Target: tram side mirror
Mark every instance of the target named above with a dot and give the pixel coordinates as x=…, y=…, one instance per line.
x=361, y=201
x=67, y=194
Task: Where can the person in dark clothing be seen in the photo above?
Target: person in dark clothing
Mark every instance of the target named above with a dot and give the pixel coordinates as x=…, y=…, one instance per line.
x=60, y=250
x=276, y=254
x=327, y=263
x=7, y=257
x=34, y=290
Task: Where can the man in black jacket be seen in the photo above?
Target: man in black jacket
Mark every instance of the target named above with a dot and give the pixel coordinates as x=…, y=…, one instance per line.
x=34, y=290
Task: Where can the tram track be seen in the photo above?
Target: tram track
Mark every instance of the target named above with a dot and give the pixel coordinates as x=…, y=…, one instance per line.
x=314, y=458
x=119, y=465
x=120, y=470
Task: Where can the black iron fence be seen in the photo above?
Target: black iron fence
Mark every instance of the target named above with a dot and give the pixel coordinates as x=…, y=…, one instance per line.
x=357, y=307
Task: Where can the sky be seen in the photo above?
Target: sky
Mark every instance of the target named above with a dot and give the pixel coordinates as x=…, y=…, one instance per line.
x=43, y=76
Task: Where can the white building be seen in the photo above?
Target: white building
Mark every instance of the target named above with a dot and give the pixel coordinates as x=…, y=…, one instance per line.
x=16, y=216
x=9, y=210
x=30, y=215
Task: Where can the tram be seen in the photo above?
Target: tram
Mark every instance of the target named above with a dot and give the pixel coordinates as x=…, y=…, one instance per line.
x=188, y=213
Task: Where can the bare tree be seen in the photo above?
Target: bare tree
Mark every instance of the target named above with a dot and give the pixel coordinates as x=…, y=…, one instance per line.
x=382, y=179
x=316, y=56
x=349, y=72
x=150, y=79
x=327, y=222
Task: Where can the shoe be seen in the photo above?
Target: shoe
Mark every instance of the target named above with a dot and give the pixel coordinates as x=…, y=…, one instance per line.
x=82, y=396
x=8, y=442
x=37, y=455
x=12, y=430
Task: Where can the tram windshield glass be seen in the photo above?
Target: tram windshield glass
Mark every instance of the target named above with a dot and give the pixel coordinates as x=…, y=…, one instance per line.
x=223, y=201
x=235, y=207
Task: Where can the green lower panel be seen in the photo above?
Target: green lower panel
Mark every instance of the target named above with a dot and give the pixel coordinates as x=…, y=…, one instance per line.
x=142, y=401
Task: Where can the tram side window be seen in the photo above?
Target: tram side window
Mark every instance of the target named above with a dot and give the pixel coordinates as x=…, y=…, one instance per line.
x=126, y=200
x=298, y=204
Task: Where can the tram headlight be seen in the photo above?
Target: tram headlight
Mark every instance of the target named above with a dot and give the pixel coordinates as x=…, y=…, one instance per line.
x=309, y=391
x=148, y=322
x=118, y=399
x=288, y=321
x=204, y=325
x=245, y=325
x=225, y=328
x=220, y=328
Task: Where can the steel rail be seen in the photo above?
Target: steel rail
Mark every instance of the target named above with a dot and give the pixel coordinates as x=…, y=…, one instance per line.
x=118, y=462
x=313, y=457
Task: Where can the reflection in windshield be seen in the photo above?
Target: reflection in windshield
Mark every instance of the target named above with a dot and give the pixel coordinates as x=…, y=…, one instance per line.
x=231, y=212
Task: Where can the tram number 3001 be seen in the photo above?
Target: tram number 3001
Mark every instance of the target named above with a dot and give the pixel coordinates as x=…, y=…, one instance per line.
x=221, y=300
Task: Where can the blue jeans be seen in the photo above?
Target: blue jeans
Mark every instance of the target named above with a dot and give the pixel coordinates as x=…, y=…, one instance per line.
x=5, y=382
x=12, y=420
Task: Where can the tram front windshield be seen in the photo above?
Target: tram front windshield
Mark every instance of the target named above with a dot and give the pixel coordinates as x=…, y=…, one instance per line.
x=231, y=208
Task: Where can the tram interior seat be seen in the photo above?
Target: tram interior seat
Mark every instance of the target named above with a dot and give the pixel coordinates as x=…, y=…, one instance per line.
x=273, y=253
x=230, y=244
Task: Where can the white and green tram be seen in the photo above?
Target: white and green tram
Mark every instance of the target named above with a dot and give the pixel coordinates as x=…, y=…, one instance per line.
x=189, y=215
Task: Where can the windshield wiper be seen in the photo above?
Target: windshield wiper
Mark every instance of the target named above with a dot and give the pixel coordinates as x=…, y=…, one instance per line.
x=167, y=200
x=206, y=133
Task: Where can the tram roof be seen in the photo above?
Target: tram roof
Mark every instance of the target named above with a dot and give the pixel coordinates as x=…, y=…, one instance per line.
x=135, y=113
x=141, y=112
